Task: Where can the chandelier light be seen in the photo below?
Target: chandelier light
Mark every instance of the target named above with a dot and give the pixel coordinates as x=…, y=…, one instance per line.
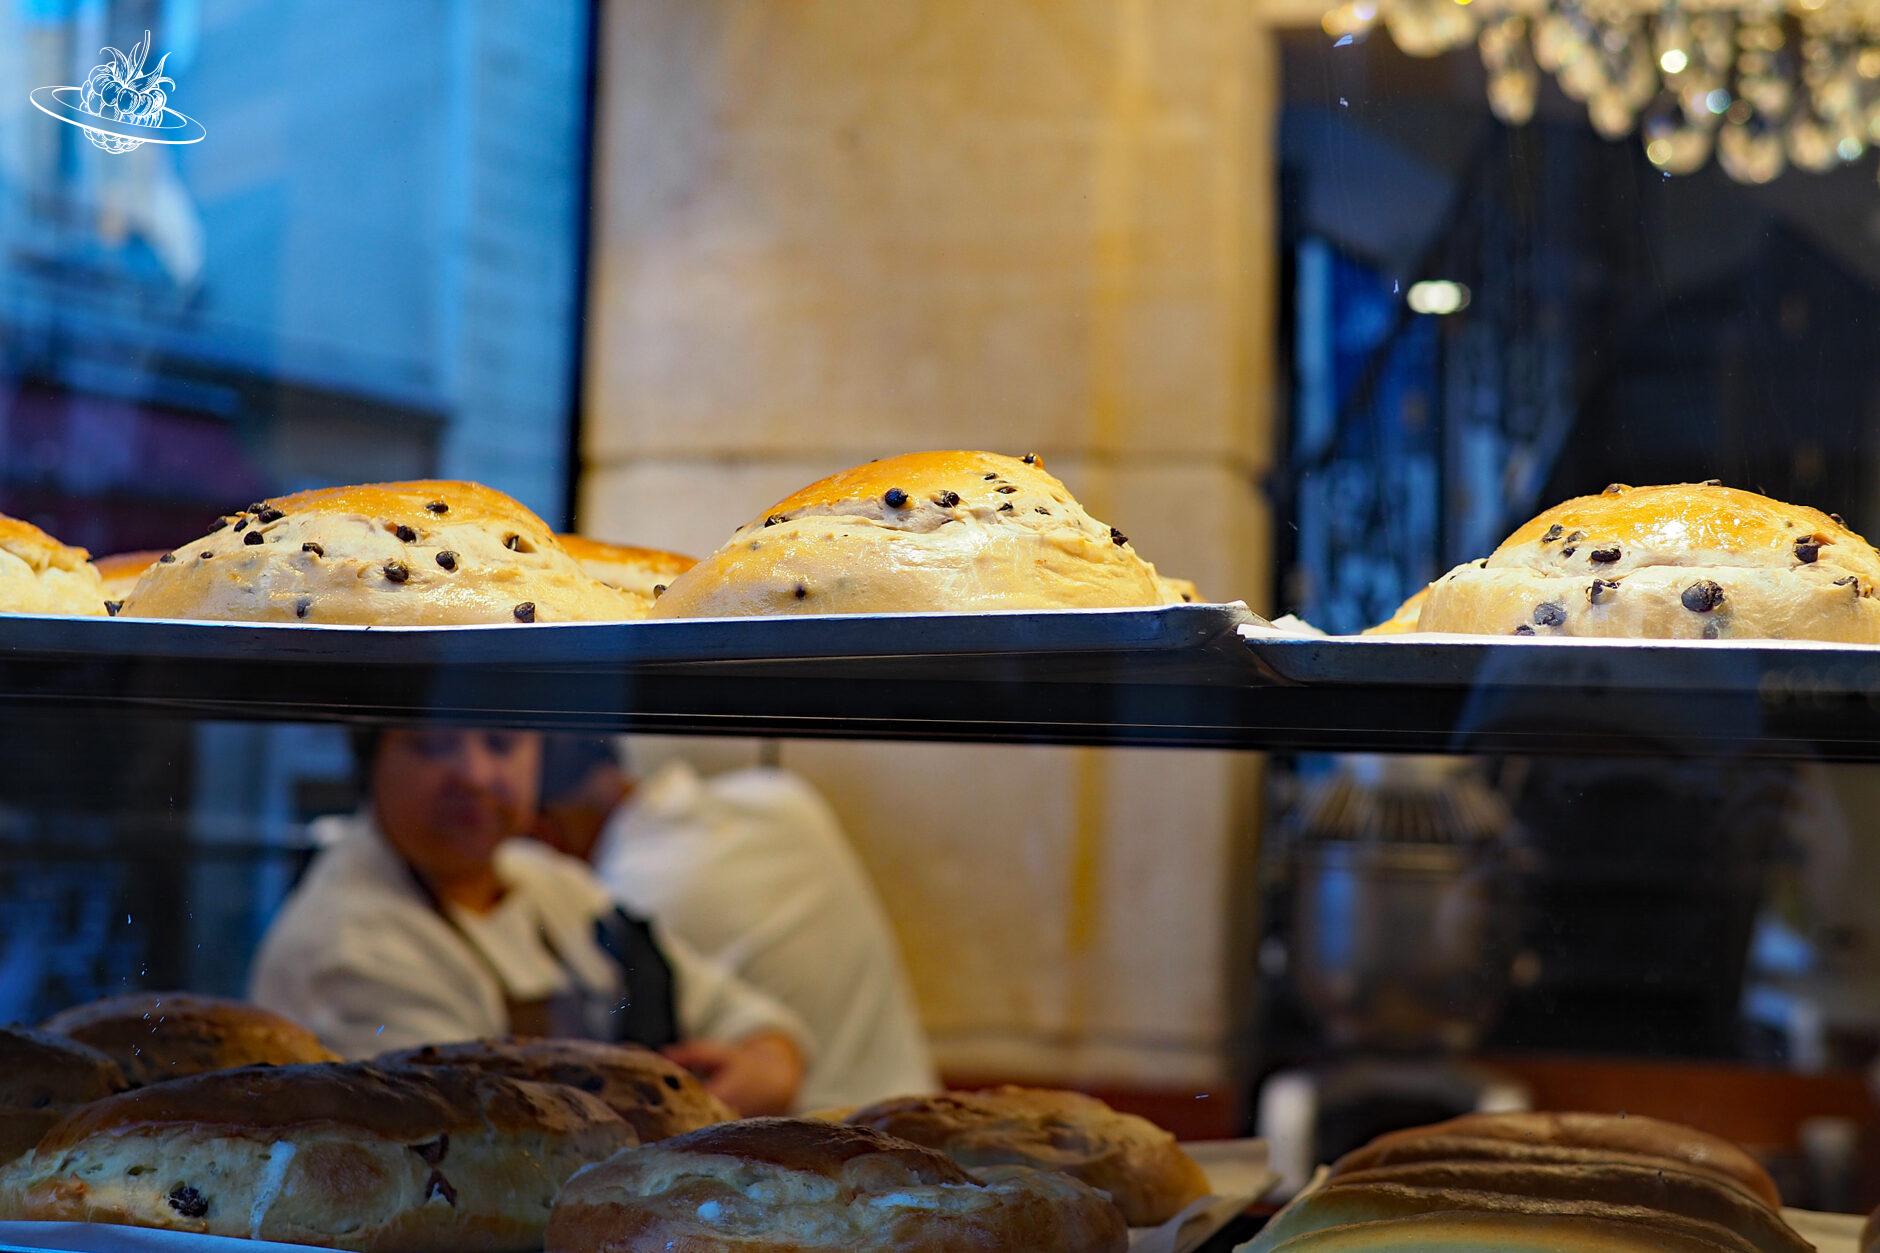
x=1759, y=85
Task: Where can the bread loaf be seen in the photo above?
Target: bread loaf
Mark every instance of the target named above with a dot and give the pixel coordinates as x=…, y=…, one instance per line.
x=920, y=533
x=1683, y=561
x=440, y=1160
x=39, y=575
x=659, y=1098
x=156, y=1036
x=1465, y=1232
x=642, y=573
x=782, y=1185
x=1136, y=1163
x=384, y=554
x=43, y=1077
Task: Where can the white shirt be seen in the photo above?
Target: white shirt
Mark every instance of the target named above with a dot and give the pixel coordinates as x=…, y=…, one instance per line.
x=753, y=870
x=362, y=958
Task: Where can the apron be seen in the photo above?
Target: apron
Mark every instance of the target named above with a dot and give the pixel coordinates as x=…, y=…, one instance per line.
x=645, y=1012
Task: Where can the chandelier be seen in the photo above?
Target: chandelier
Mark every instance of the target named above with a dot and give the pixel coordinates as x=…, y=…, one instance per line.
x=1761, y=85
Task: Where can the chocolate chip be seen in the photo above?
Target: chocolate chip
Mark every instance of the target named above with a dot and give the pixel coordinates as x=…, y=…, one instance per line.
x=1568, y=551
x=241, y=524
x=1710, y=631
x=188, y=1202
x=1837, y=519
x=672, y=1081
x=1524, y=629
x=1601, y=591
x=447, y=559
x=1030, y=458
x=1554, y=532
x=269, y=515
x=166, y=559
x=1041, y=509
x=1711, y=483
x=946, y=500
x=396, y=571
x=1118, y=538
x=437, y=1185
x=659, y=589
x=217, y=525
x=311, y=547
x=1702, y=596
x=1576, y=537
x=525, y=612
x=1006, y=507
x=1549, y=614
x=895, y=498
x=773, y=519
x=801, y=591
x=1849, y=581
x=1613, y=489
x=432, y=1151
x=253, y=538
x=1807, y=550
x=1604, y=556
x=1007, y=490
x=303, y=606
x=513, y=543
x=405, y=534
x=438, y=506
x=991, y=478
x=257, y=507
x=204, y=555
x=111, y=608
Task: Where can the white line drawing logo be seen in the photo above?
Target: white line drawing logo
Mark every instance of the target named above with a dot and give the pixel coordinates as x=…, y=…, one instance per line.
x=121, y=105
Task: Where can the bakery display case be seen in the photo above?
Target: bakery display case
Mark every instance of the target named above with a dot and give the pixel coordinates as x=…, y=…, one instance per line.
x=1081, y=626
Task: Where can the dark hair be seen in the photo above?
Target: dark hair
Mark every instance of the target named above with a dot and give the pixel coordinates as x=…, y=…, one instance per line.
x=568, y=761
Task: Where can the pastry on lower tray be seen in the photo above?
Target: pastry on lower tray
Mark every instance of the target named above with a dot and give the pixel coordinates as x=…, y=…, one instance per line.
x=789, y=1185
x=44, y=1077
x=1136, y=1163
x=40, y=575
x=1464, y=1231
x=921, y=533
x=346, y=1156
x=156, y=1036
x=1696, y=561
x=660, y=1098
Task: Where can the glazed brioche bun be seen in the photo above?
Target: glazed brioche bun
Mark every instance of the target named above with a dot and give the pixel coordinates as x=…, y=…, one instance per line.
x=1684, y=561
x=661, y=1099
x=920, y=533
x=1526, y=1134
x=438, y=1160
x=158, y=1036
x=786, y=1185
x=642, y=573
x=1405, y=619
x=385, y=554
x=40, y=575
x=43, y=1077
x=120, y=572
x=1135, y=1162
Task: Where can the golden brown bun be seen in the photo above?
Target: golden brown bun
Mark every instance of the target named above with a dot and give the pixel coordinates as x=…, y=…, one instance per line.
x=1646, y=1138
x=379, y=555
x=43, y=1077
x=120, y=571
x=159, y=1036
x=1136, y=1162
x=785, y=1185
x=1662, y=1187
x=971, y=531
x=660, y=1098
x=437, y=1160
x=38, y=574
x=1685, y=561
x=1405, y=619
x=642, y=573
x=1464, y=1232
x=1175, y=591
x=1345, y=1204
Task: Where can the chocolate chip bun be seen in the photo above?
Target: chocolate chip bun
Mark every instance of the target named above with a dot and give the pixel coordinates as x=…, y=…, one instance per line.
x=385, y=554
x=659, y=1098
x=1541, y=1137
x=1460, y=1231
x=120, y=572
x=1685, y=561
x=43, y=1077
x=786, y=1185
x=1135, y=1162
x=642, y=573
x=40, y=575
x=158, y=1036
x=341, y=1156
x=920, y=533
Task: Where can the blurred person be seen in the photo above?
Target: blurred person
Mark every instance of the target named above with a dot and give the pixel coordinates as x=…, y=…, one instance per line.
x=752, y=868
x=423, y=921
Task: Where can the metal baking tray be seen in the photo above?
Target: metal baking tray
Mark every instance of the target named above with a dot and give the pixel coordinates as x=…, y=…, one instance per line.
x=1074, y=676
x=1456, y=693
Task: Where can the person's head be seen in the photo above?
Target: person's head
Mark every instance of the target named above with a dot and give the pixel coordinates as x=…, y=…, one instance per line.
x=583, y=780
x=445, y=797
